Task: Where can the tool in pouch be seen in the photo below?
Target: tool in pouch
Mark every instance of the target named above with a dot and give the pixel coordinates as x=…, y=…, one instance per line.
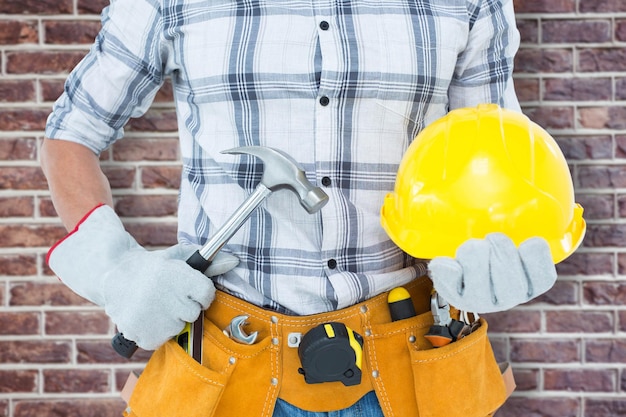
x=280, y=172
x=331, y=352
x=445, y=329
x=334, y=352
x=235, y=331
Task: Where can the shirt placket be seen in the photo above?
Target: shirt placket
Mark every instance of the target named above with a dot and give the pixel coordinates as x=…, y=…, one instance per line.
x=327, y=133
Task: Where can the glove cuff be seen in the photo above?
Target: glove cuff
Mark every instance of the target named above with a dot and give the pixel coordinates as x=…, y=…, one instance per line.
x=95, y=246
x=80, y=222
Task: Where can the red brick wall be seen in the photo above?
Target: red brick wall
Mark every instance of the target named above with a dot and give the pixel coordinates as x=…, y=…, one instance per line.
x=568, y=348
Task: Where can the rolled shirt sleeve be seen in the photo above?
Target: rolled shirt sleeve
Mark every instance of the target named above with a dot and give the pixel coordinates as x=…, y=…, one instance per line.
x=484, y=69
x=116, y=80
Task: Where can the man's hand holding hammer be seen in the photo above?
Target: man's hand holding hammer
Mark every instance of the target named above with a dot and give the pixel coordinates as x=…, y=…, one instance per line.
x=149, y=295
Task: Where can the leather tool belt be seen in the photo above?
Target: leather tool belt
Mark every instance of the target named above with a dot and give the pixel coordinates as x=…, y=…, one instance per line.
x=410, y=377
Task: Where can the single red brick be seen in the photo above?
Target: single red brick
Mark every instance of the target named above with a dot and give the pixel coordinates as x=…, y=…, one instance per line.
x=139, y=149
x=526, y=379
x=601, y=59
x=161, y=177
x=22, y=178
x=562, y=293
x=78, y=322
x=36, y=6
x=577, y=380
x=162, y=120
x=165, y=93
x=16, y=207
x=601, y=6
x=30, y=235
x=621, y=205
x=552, y=117
x=605, y=235
x=91, y=6
x=521, y=406
x=529, y=30
x=76, y=380
x=581, y=147
x=42, y=293
x=620, y=29
x=17, y=32
x=17, y=90
x=13, y=149
x=602, y=176
x=18, y=381
x=605, y=350
x=605, y=407
x=578, y=89
x=514, y=321
x=575, y=31
x=23, y=351
x=153, y=234
x=69, y=32
x=544, y=60
x=545, y=350
x=527, y=89
x=119, y=176
x=597, y=206
x=605, y=293
x=19, y=323
x=543, y=6
x=69, y=407
x=581, y=263
x=98, y=352
x=17, y=265
x=23, y=119
x=44, y=62
x=146, y=205
x=51, y=89
x=579, y=321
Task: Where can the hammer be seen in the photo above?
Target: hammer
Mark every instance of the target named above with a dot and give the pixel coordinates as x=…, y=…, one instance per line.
x=281, y=172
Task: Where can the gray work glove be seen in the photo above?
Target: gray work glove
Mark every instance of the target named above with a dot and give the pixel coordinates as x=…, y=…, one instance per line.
x=491, y=274
x=149, y=295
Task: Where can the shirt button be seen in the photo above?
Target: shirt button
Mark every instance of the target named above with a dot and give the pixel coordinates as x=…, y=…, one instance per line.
x=324, y=101
x=332, y=264
x=324, y=25
x=326, y=181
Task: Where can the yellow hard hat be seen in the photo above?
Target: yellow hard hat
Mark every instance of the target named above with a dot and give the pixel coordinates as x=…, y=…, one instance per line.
x=481, y=170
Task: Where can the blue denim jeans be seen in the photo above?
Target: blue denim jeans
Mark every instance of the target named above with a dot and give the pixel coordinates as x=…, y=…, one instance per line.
x=366, y=407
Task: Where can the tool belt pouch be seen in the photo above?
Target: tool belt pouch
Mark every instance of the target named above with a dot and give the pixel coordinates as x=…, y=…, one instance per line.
x=461, y=379
x=174, y=384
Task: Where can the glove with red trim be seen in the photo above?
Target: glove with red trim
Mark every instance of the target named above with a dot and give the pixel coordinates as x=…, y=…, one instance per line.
x=149, y=295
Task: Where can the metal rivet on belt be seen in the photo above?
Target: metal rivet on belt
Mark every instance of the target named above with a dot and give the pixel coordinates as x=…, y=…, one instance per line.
x=412, y=339
x=275, y=340
x=274, y=319
x=363, y=309
x=274, y=381
x=375, y=374
x=232, y=360
x=293, y=339
x=368, y=332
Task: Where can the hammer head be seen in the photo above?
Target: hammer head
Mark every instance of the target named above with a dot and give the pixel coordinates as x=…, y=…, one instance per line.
x=282, y=171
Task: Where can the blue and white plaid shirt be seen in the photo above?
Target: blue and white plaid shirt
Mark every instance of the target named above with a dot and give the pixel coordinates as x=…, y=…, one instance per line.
x=342, y=86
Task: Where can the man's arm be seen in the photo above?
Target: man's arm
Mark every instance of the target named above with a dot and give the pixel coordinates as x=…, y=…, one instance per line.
x=75, y=179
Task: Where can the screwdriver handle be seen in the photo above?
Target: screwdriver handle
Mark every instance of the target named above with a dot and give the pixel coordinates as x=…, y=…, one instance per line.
x=124, y=347
x=127, y=348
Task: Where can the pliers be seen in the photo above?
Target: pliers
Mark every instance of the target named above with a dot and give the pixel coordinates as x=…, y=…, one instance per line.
x=445, y=329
